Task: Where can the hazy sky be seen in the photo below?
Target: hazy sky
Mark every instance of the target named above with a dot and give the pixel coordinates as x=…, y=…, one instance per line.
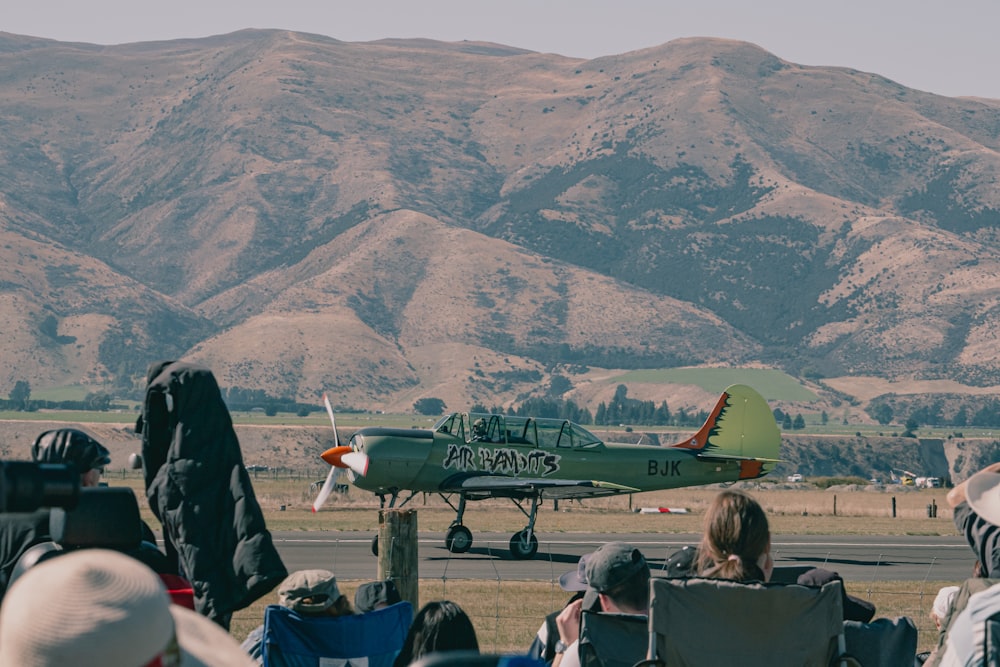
x=950, y=48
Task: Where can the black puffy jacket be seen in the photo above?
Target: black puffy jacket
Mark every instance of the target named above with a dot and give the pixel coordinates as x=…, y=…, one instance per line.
x=199, y=489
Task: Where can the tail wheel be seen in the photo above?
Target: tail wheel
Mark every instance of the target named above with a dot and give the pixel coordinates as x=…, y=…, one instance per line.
x=458, y=540
x=523, y=545
x=375, y=546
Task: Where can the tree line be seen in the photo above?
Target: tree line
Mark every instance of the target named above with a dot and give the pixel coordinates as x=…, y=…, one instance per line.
x=236, y=398
x=984, y=414
x=620, y=410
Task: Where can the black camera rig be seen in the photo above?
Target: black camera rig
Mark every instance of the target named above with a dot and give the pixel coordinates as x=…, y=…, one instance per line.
x=27, y=486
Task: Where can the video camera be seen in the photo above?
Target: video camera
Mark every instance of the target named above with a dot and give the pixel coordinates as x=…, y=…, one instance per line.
x=27, y=486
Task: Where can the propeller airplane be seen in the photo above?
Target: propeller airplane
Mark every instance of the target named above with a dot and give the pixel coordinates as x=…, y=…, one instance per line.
x=476, y=456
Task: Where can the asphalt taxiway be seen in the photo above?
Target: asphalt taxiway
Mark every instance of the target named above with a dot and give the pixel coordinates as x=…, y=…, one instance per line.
x=855, y=557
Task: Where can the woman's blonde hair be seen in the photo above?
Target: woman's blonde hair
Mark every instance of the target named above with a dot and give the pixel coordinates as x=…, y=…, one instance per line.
x=735, y=536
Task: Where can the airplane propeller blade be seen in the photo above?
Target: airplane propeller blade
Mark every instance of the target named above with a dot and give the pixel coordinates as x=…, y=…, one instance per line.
x=333, y=420
x=357, y=462
x=334, y=453
x=324, y=492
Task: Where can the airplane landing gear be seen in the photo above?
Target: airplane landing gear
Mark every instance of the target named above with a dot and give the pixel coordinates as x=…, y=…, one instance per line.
x=523, y=545
x=459, y=539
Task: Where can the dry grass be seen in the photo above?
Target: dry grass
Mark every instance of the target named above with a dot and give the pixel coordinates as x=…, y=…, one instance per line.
x=798, y=511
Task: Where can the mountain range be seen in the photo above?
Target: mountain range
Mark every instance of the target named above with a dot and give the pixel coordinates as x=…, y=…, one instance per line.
x=399, y=219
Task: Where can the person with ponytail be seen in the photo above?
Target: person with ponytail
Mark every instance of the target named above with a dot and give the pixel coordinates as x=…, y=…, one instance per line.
x=736, y=542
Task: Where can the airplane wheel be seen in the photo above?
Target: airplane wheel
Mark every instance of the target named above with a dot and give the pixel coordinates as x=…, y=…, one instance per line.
x=375, y=546
x=521, y=548
x=458, y=540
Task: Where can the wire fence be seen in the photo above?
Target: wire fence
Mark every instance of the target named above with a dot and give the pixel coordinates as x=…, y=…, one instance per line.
x=507, y=609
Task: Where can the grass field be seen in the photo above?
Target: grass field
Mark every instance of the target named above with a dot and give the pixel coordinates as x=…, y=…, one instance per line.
x=773, y=385
x=805, y=510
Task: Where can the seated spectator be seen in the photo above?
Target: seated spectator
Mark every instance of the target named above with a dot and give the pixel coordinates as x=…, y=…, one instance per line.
x=981, y=533
x=736, y=545
x=855, y=609
x=19, y=532
x=68, y=445
x=736, y=541
x=112, y=610
x=619, y=576
x=438, y=626
x=942, y=604
x=940, y=610
x=681, y=563
x=375, y=595
x=976, y=503
x=543, y=647
x=307, y=592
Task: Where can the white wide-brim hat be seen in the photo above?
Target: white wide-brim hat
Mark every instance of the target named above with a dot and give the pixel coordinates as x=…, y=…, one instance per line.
x=96, y=607
x=983, y=493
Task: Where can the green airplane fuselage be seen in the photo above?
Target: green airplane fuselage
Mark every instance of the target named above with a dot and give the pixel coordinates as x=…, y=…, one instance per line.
x=424, y=460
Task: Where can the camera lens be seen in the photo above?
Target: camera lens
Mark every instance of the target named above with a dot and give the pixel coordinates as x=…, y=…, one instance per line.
x=25, y=487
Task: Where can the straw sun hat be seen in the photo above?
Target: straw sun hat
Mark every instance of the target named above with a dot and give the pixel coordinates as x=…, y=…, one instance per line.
x=95, y=607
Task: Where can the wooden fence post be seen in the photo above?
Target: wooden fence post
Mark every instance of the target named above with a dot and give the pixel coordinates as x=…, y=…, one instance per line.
x=397, y=552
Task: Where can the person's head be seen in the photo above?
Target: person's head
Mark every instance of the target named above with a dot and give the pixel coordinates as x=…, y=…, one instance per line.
x=438, y=626
x=619, y=574
x=736, y=541
x=374, y=595
x=942, y=604
x=313, y=593
x=69, y=445
x=110, y=609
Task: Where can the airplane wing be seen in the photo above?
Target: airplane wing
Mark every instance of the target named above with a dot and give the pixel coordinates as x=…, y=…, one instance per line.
x=477, y=487
x=732, y=457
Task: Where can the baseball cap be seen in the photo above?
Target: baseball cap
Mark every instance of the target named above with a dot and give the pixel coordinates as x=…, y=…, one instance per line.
x=576, y=580
x=69, y=445
x=319, y=586
x=612, y=564
x=855, y=608
x=374, y=593
x=681, y=562
x=111, y=610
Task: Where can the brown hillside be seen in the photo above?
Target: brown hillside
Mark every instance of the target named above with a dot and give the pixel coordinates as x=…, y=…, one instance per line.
x=407, y=218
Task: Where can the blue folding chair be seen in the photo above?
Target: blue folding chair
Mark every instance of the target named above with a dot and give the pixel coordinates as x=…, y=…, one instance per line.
x=372, y=639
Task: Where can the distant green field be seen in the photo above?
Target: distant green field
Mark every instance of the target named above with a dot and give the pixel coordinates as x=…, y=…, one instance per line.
x=80, y=416
x=68, y=393
x=773, y=385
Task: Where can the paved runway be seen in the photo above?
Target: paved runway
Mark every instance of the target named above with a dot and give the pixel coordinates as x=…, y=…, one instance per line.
x=856, y=558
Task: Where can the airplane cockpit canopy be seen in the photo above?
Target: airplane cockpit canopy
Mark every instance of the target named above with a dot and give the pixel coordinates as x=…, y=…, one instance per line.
x=511, y=430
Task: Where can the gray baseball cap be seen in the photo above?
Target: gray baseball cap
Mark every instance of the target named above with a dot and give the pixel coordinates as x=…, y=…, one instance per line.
x=613, y=564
